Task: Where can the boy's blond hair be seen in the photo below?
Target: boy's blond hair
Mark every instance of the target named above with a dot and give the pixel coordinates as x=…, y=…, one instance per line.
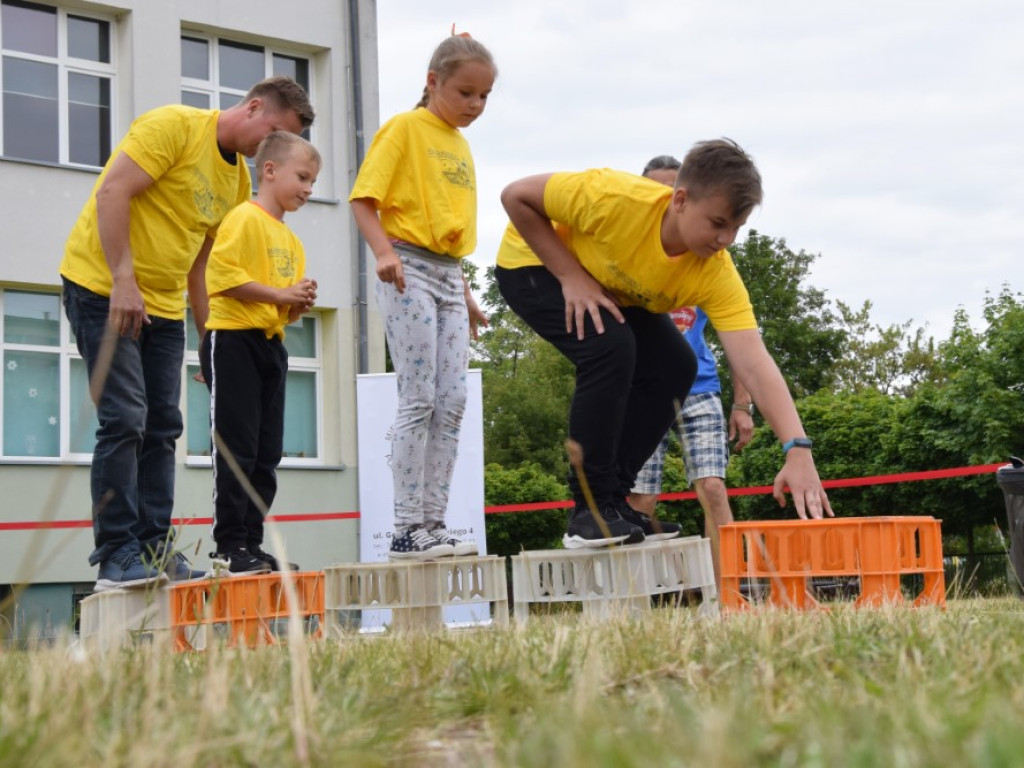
x=721, y=166
x=281, y=145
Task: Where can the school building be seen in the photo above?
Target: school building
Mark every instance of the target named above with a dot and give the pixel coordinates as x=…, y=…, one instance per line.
x=74, y=74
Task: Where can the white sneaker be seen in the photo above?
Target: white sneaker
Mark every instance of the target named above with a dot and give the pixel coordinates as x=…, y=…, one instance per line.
x=462, y=547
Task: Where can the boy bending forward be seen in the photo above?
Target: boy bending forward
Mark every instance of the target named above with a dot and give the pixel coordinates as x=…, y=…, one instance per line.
x=623, y=252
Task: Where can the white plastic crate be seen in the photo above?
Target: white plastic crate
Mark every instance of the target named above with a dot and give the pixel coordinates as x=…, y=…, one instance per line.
x=119, y=618
x=417, y=592
x=613, y=580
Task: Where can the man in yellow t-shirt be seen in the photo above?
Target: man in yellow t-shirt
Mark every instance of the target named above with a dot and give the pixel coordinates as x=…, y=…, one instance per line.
x=143, y=236
x=623, y=252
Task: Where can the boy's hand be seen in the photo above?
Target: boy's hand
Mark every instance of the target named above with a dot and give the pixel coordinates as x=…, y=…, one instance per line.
x=583, y=294
x=801, y=477
x=302, y=294
x=389, y=270
x=741, y=428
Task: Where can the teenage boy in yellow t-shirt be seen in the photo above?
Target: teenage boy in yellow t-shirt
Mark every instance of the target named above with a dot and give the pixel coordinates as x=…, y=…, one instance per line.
x=257, y=285
x=623, y=252
x=143, y=235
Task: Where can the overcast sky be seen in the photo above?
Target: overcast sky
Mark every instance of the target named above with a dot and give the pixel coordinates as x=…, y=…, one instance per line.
x=890, y=133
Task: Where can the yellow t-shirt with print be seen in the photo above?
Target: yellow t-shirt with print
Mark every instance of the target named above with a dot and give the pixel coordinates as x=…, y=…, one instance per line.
x=419, y=172
x=193, y=188
x=611, y=221
x=252, y=246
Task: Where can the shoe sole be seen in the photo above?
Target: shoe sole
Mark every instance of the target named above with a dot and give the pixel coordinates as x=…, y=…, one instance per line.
x=661, y=536
x=107, y=585
x=430, y=554
x=578, y=542
x=221, y=569
x=465, y=550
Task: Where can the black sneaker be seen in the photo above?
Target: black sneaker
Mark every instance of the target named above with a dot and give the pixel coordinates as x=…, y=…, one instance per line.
x=417, y=544
x=585, y=531
x=270, y=560
x=653, y=528
x=237, y=562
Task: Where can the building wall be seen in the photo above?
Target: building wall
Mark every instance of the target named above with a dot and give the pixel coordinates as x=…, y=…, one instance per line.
x=38, y=204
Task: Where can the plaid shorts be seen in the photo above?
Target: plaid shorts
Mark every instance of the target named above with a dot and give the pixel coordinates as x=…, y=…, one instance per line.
x=704, y=435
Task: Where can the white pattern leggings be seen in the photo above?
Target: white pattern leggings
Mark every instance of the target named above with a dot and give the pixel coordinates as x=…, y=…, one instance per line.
x=427, y=329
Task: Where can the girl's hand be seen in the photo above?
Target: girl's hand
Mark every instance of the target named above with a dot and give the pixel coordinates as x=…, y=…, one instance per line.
x=389, y=270
x=476, y=316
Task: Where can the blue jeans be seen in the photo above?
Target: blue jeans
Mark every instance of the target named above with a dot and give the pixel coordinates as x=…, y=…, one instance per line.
x=132, y=478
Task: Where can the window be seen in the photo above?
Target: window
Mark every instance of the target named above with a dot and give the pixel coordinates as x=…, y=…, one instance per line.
x=57, y=81
x=47, y=413
x=302, y=396
x=216, y=74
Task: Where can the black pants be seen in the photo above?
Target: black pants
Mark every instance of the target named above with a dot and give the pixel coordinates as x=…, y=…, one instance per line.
x=629, y=380
x=245, y=373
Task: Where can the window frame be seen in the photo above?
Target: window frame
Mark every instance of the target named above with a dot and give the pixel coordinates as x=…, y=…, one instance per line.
x=309, y=365
x=68, y=65
x=66, y=352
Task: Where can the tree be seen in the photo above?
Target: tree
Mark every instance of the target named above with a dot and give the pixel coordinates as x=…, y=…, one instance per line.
x=511, y=532
x=527, y=388
x=892, y=360
x=798, y=326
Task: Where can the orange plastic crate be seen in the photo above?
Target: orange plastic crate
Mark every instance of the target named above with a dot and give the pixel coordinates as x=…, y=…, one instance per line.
x=245, y=607
x=877, y=551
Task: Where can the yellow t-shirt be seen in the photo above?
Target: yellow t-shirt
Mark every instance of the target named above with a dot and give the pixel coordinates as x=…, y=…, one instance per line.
x=193, y=188
x=420, y=174
x=611, y=221
x=252, y=246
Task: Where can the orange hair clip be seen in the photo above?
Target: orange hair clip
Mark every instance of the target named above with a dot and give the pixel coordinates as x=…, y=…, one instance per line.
x=459, y=34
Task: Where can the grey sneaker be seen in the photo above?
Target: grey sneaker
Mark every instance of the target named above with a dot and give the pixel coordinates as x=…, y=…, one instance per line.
x=178, y=568
x=461, y=547
x=128, y=572
x=417, y=544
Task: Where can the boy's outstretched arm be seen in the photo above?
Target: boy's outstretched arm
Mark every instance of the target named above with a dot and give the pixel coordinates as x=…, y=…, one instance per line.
x=524, y=203
x=757, y=370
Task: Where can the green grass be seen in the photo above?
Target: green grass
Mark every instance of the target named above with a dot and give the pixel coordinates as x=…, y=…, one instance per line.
x=843, y=687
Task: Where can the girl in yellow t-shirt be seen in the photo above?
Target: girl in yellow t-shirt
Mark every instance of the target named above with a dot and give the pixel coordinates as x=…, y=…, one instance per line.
x=414, y=202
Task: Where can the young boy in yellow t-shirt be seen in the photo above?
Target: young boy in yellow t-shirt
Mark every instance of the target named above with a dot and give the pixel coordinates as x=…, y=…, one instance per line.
x=623, y=252
x=255, y=279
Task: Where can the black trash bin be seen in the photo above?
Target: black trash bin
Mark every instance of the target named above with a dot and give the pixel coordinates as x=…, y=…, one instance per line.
x=1011, y=480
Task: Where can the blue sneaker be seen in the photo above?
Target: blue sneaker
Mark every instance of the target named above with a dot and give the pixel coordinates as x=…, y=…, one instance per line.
x=128, y=572
x=178, y=568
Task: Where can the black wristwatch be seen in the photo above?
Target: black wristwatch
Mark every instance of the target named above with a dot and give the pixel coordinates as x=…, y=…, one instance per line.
x=797, y=442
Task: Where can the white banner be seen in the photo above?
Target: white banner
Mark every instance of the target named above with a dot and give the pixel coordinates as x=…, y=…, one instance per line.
x=377, y=403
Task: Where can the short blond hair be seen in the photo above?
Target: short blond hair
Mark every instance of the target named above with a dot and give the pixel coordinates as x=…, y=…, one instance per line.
x=280, y=146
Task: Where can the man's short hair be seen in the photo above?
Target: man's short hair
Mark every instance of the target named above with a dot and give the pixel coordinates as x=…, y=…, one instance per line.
x=286, y=95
